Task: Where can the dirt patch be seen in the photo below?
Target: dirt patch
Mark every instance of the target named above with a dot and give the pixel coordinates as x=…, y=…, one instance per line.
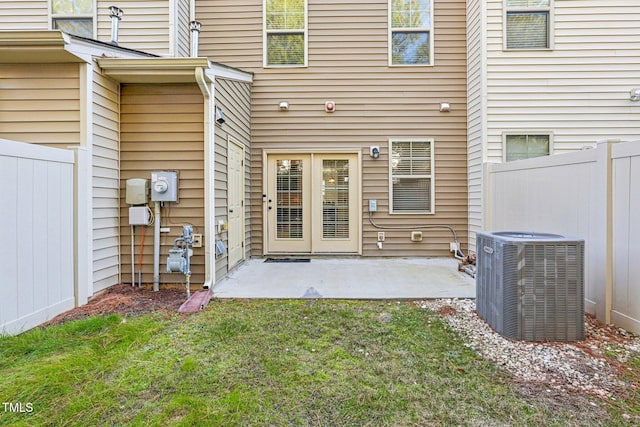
x=446, y=310
x=126, y=300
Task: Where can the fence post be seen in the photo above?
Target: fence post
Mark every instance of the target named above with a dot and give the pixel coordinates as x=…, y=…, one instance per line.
x=82, y=225
x=487, y=196
x=604, y=215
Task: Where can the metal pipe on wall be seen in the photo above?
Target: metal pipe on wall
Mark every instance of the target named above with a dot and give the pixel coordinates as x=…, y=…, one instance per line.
x=156, y=247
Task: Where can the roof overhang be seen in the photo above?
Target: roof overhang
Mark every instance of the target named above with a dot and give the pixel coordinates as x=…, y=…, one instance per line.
x=153, y=70
x=30, y=47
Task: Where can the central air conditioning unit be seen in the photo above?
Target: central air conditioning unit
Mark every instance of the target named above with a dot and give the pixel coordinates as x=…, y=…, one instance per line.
x=530, y=286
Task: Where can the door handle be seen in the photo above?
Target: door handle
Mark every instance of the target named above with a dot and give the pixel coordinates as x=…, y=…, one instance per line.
x=230, y=210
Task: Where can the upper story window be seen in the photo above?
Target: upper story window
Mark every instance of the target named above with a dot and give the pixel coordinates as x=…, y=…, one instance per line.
x=526, y=146
x=527, y=24
x=410, y=32
x=285, y=33
x=411, y=170
x=73, y=16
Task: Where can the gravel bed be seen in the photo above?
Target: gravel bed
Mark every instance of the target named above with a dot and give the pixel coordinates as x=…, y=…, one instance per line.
x=593, y=366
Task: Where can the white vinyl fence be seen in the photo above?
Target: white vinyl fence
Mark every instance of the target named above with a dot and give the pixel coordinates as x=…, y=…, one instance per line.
x=593, y=195
x=37, y=223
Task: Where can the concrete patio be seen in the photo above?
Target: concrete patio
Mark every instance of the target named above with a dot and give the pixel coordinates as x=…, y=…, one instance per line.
x=348, y=278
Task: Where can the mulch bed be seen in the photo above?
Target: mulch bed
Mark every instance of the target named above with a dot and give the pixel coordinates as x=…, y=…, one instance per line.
x=126, y=300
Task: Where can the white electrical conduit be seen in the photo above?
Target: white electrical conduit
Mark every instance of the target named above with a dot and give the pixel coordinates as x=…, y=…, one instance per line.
x=133, y=259
x=156, y=248
x=458, y=254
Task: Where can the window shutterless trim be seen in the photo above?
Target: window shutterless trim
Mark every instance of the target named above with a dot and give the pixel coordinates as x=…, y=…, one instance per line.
x=391, y=30
x=431, y=176
x=304, y=32
x=525, y=133
x=550, y=25
x=92, y=16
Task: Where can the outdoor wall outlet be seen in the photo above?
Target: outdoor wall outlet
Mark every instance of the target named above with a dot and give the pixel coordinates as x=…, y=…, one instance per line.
x=416, y=236
x=453, y=247
x=381, y=236
x=197, y=240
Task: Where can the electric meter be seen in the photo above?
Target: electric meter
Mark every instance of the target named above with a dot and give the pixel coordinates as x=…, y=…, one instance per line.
x=164, y=186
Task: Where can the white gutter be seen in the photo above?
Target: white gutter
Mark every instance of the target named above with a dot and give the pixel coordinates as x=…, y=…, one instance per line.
x=207, y=88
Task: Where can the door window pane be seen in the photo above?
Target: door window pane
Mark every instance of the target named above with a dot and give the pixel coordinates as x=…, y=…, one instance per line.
x=335, y=199
x=289, y=199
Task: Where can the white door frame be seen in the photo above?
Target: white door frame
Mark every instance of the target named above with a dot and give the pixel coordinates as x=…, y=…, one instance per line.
x=300, y=151
x=235, y=229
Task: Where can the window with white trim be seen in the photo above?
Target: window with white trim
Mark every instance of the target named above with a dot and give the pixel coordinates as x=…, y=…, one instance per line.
x=73, y=16
x=526, y=146
x=528, y=24
x=410, y=32
x=285, y=33
x=411, y=185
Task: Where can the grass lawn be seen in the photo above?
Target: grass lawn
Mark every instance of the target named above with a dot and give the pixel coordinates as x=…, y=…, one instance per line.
x=255, y=363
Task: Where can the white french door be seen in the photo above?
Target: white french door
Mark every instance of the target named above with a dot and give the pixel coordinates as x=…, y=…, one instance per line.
x=312, y=203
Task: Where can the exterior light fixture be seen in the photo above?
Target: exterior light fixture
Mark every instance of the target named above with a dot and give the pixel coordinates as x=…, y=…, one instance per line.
x=283, y=106
x=219, y=116
x=634, y=94
x=445, y=107
x=374, y=152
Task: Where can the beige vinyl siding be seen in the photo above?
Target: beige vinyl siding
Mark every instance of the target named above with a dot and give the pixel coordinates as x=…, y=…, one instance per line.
x=144, y=25
x=237, y=38
x=348, y=63
x=162, y=129
x=40, y=103
x=183, y=35
x=476, y=120
x=234, y=98
x=106, y=181
x=24, y=15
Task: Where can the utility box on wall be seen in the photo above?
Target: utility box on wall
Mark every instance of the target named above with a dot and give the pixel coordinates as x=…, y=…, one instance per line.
x=137, y=191
x=164, y=186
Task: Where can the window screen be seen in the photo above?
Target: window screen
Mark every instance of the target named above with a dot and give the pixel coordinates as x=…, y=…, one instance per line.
x=411, y=176
x=526, y=146
x=527, y=24
x=285, y=32
x=73, y=17
x=410, y=38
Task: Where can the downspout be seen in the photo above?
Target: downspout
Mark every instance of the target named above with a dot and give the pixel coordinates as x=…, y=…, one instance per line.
x=209, y=194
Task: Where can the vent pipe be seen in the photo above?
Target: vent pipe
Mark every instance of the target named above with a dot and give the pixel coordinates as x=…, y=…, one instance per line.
x=116, y=16
x=194, y=26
